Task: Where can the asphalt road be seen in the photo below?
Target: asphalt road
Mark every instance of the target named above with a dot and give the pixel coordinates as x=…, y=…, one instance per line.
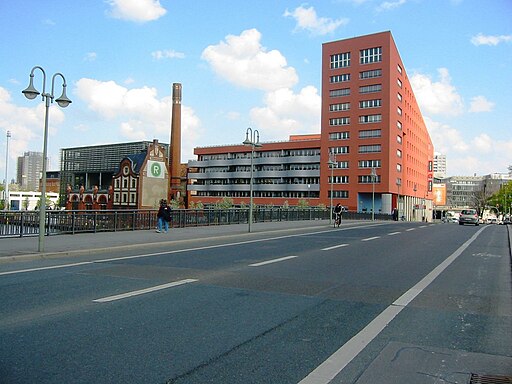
x=392, y=302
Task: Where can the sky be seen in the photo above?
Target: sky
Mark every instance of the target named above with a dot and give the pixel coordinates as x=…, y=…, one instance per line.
x=245, y=64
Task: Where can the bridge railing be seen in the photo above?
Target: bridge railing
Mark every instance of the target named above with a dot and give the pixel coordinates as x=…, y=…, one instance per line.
x=26, y=223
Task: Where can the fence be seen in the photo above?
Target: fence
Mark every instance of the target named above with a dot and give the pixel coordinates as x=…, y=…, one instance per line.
x=26, y=223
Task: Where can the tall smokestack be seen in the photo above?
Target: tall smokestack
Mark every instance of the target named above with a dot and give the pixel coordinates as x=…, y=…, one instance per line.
x=175, y=143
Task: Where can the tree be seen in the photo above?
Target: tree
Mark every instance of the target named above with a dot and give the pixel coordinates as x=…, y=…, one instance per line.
x=502, y=199
x=225, y=203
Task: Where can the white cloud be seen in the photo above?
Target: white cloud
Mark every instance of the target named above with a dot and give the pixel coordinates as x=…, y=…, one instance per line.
x=287, y=113
x=481, y=154
x=482, y=143
x=388, y=5
x=90, y=56
x=136, y=10
x=480, y=104
x=26, y=124
x=308, y=20
x=243, y=61
x=139, y=113
x=167, y=54
x=439, y=97
x=445, y=138
x=481, y=39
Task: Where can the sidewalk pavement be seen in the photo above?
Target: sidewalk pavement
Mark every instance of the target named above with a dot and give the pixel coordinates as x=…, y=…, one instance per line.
x=19, y=248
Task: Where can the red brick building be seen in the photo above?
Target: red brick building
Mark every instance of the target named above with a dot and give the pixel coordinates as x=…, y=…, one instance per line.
x=372, y=135
x=371, y=120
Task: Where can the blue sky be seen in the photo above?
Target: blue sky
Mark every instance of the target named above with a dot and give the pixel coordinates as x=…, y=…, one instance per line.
x=247, y=63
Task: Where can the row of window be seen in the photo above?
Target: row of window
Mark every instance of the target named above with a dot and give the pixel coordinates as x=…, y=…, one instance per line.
x=246, y=155
x=365, y=119
x=375, y=148
x=363, y=104
x=365, y=134
x=363, y=89
x=344, y=77
x=361, y=179
x=366, y=56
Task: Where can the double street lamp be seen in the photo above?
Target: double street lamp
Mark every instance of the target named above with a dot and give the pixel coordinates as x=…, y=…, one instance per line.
x=6, y=189
x=63, y=101
x=252, y=138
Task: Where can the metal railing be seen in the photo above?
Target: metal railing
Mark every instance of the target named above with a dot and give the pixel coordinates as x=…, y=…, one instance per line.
x=26, y=223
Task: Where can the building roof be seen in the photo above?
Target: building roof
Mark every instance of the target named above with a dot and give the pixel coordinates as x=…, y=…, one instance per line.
x=137, y=160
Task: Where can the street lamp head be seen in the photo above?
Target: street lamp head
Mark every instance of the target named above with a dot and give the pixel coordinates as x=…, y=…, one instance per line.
x=63, y=100
x=30, y=92
x=247, y=141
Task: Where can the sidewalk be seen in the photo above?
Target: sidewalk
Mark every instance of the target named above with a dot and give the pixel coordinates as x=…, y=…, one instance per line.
x=26, y=247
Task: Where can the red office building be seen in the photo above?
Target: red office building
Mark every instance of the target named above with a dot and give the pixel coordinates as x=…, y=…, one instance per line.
x=373, y=130
x=374, y=153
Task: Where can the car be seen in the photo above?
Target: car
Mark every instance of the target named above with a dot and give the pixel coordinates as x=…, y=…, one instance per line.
x=469, y=216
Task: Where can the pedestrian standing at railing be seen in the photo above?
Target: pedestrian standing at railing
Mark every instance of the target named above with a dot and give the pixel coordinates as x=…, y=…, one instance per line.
x=164, y=216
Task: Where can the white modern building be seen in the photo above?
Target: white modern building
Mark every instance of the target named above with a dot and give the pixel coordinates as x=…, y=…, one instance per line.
x=28, y=201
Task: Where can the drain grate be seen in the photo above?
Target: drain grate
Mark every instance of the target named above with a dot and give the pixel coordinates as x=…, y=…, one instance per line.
x=487, y=379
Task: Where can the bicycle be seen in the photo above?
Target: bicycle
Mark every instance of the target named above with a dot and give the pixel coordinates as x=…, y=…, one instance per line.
x=337, y=219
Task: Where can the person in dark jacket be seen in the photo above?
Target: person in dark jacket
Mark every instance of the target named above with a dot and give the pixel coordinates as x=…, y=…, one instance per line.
x=164, y=216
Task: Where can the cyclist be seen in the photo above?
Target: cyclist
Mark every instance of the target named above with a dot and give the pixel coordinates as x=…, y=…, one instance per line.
x=337, y=215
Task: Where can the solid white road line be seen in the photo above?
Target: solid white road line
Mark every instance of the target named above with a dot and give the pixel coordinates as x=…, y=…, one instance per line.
x=334, y=247
x=371, y=238
x=410, y=229
x=335, y=363
x=143, y=291
x=393, y=233
x=272, y=261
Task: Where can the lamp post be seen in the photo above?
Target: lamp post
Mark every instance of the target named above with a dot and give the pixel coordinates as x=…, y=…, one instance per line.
x=332, y=163
x=6, y=189
x=398, y=183
x=373, y=175
x=63, y=101
x=415, y=210
x=252, y=138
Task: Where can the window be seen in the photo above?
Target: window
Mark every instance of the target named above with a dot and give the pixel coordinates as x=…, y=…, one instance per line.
x=370, y=88
x=399, y=68
x=399, y=139
x=339, y=150
x=399, y=153
x=370, y=133
x=370, y=119
x=399, y=96
x=338, y=180
x=339, y=121
x=339, y=136
x=339, y=107
x=370, y=103
x=370, y=55
x=369, y=179
x=369, y=163
x=399, y=111
x=399, y=83
x=338, y=194
x=399, y=167
x=340, y=60
x=339, y=92
x=370, y=148
x=399, y=125
x=339, y=78
x=370, y=74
